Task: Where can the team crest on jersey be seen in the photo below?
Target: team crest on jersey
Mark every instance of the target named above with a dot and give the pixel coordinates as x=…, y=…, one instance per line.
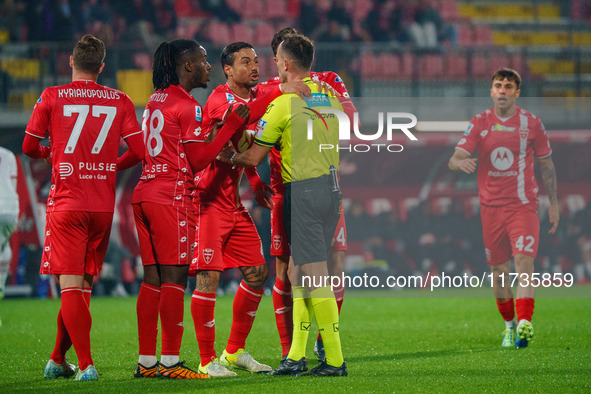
x=230, y=97
x=198, y=113
x=468, y=130
x=260, y=128
x=277, y=239
x=484, y=133
x=207, y=255
x=523, y=133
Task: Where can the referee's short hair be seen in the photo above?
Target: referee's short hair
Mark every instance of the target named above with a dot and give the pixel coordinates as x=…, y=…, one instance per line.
x=299, y=49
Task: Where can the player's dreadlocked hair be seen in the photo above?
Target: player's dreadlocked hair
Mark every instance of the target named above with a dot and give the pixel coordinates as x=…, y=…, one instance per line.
x=280, y=36
x=166, y=58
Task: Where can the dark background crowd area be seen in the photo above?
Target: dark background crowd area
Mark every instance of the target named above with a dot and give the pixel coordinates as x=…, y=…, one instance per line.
x=451, y=242
x=415, y=22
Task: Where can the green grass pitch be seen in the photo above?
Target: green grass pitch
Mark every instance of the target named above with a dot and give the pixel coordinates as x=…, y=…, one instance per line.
x=391, y=344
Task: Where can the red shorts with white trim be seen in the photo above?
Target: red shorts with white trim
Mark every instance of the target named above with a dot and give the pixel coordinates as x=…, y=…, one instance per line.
x=225, y=240
x=165, y=233
x=279, y=244
x=508, y=231
x=75, y=242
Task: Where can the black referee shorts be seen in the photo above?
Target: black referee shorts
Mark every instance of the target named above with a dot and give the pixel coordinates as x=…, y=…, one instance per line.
x=311, y=210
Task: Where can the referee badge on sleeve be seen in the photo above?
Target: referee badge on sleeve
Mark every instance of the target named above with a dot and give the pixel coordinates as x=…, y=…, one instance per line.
x=260, y=128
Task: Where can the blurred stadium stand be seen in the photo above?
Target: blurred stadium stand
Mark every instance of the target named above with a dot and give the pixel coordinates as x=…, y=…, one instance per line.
x=547, y=41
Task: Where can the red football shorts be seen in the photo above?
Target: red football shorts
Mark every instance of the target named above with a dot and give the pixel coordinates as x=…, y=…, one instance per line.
x=75, y=242
x=279, y=244
x=508, y=231
x=165, y=233
x=225, y=240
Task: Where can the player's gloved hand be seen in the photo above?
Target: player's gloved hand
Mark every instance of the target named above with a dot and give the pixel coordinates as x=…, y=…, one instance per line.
x=263, y=196
x=297, y=87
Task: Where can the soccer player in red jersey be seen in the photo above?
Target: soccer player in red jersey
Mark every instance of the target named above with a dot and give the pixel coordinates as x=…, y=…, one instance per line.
x=85, y=122
x=508, y=138
x=282, y=299
x=177, y=147
x=226, y=235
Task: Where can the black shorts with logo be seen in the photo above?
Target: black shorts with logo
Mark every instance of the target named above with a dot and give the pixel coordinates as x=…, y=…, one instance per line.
x=311, y=211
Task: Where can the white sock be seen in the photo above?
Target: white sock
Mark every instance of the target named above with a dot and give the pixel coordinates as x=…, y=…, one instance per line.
x=169, y=361
x=509, y=324
x=147, y=361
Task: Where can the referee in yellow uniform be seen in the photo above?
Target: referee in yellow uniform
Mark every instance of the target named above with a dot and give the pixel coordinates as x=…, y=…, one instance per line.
x=304, y=134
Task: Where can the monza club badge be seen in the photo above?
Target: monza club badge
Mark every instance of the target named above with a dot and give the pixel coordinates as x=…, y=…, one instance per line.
x=207, y=255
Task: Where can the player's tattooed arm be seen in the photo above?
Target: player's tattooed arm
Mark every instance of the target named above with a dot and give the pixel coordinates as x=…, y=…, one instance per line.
x=255, y=277
x=549, y=179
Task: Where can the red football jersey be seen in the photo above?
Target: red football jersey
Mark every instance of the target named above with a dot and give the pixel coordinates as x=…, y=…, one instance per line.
x=506, y=150
x=171, y=118
x=218, y=183
x=337, y=84
x=85, y=122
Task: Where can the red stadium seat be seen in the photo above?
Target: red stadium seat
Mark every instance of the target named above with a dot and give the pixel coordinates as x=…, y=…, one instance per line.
x=456, y=66
x=407, y=65
x=264, y=34
x=465, y=36
x=482, y=35
x=242, y=32
x=220, y=33
x=431, y=67
x=479, y=66
x=252, y=9
x=276, y=9
x=236, y=5
x=389, y=66
x=359, y=9
x=448, y=10
x=369, y=65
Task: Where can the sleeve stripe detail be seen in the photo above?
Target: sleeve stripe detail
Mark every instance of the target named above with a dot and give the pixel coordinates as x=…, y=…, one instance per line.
x=34, y=135
x=129, y=135
x=264, y=143
x=464, y=150
x=543, y=157
x=185, y=141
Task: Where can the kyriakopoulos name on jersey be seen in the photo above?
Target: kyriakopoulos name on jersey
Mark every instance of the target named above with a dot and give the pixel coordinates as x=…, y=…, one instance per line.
x=362, y=148
x=97, y=166
x=90, y=93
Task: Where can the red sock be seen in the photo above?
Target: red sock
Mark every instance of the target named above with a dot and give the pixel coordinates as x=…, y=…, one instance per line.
x=63, y=343
x=525, y=308
x=203, y=311
x=148, y=304
x=171, y=317
x=283, y=304
x=246, y=303
x=339, y=292
x=507, y=309
x=77, y=321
